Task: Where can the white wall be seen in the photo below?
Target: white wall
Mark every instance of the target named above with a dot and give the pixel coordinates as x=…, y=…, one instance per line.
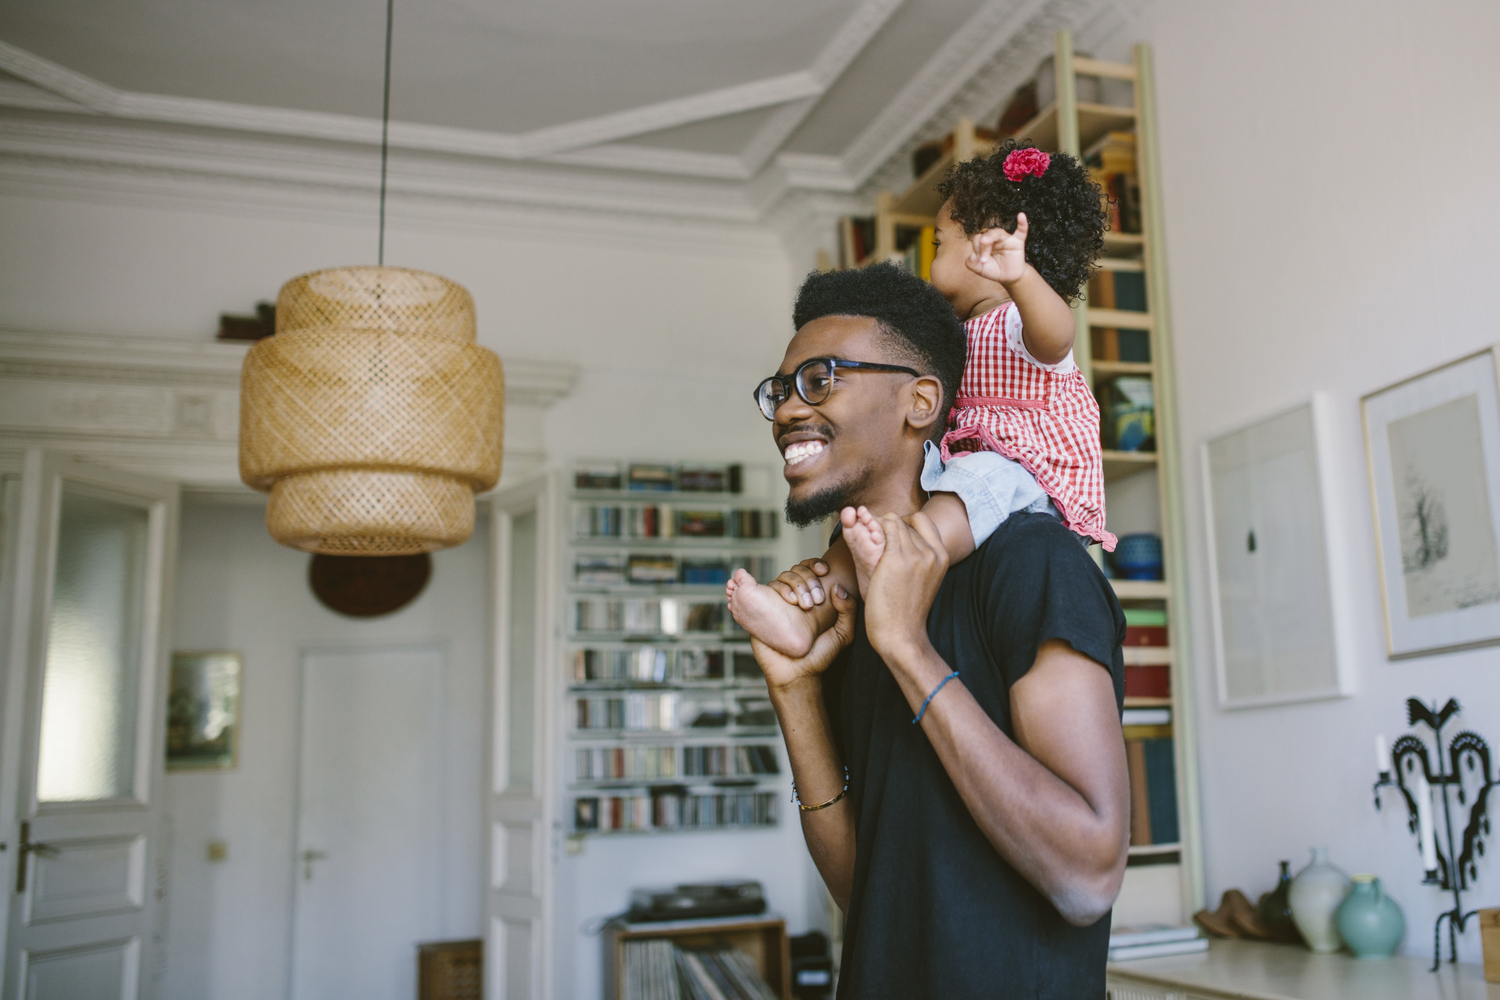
x=1332, y=223
x=230, y=922
x=670, y=324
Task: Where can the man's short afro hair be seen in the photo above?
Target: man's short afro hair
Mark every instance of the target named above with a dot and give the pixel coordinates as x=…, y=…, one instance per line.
x=1064, y=214
x=917, y=320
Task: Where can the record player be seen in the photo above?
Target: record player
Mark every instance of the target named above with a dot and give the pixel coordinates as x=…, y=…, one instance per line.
x=696, y=901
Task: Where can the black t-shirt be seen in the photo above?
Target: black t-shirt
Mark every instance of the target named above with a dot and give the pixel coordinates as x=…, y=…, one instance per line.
x=935, y=911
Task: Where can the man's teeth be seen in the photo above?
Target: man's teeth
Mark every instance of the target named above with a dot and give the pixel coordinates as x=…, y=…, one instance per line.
x=802, y=449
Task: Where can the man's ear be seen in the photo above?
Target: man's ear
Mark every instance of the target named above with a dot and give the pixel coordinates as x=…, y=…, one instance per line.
x=926, y=403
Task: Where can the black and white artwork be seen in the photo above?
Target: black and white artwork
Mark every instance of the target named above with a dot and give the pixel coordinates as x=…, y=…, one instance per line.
x=1433, y=444
x=1276, y=603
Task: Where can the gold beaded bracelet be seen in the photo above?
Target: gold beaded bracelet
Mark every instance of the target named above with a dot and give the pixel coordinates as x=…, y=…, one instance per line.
x=822, y=805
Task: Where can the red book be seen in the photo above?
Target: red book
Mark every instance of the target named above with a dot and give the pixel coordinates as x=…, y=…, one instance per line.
x=1146, y=635
x=1148, y=682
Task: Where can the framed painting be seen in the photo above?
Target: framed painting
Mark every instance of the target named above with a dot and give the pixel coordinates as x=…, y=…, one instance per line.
x=1433, y=447
x=203, y=711
x=1279, y=606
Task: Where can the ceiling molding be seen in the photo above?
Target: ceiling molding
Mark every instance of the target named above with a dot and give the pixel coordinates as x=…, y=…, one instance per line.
x=950, y=67
x=800, y=89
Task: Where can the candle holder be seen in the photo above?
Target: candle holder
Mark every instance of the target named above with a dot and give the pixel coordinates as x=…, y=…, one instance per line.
x=1463, y=767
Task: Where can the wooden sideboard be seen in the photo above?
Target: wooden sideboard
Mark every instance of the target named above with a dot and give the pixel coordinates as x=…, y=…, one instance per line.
x=1253, y=970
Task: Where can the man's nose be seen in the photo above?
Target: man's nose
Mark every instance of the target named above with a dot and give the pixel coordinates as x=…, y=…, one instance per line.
x=792, y=410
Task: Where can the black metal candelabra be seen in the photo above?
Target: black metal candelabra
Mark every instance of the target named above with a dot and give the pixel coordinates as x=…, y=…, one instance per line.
x=1465, y=768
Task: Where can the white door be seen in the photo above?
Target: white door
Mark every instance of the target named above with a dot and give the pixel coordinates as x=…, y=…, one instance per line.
x=370, y=822
x=88, y=556
x=517, y=957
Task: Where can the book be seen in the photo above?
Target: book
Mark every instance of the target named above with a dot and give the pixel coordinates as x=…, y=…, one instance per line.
x=702, y=523
x=644, y=476
x=1161, y=789
x=597, y=476
x=1148, y=680
x=1146, y=717
x=652, y=568
x=1140, y=803
x=1143, y=934
x=926, y=250
x=704, y=571
x=1157, y=950
x=702, y=479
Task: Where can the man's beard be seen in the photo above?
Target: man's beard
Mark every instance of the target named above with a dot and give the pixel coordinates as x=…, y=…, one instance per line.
x=811, y=509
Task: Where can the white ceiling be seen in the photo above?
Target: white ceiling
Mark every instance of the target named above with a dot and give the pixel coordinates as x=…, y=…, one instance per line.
x=721, y=89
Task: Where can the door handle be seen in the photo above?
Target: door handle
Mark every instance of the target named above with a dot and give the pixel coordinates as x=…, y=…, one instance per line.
x=308, y=857
x=28, y=847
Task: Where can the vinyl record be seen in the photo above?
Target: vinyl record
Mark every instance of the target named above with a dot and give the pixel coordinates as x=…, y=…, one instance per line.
x=368, y=586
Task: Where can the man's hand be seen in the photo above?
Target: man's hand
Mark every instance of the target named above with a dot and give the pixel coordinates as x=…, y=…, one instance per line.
x=784, y=672
x=903, y=586
x=999, y=255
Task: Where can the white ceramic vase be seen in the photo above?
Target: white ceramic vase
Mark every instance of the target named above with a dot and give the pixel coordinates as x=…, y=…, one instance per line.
x=1316, y=894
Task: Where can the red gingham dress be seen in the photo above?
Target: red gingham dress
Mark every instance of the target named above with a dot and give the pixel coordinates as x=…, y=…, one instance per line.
x=1042, y=416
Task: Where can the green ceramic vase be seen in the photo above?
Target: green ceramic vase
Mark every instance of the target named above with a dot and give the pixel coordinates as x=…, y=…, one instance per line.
x=1370, y=921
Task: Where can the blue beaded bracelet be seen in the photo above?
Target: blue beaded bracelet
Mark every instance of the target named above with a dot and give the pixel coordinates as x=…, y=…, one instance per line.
x=935, y=690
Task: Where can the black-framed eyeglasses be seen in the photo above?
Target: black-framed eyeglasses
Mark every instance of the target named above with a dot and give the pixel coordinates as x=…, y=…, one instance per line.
x=813, y=381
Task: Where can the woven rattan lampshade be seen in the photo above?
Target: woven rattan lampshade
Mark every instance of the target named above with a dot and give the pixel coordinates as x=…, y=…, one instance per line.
x=371, y=416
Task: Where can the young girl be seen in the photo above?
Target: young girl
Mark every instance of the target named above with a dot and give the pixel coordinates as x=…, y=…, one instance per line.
x=1017, y=238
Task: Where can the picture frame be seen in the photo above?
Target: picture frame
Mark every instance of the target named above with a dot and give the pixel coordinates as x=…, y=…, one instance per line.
x=203, y=710
x=1432, y=446
x=1279, y=604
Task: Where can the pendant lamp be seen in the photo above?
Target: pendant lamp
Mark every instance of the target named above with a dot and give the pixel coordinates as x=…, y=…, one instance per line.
x=371, y=416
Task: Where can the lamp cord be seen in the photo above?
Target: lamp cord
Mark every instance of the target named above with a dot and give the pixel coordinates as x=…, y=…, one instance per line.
x=385, y=124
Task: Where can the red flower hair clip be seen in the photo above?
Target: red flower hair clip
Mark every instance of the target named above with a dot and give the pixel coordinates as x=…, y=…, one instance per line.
x=1021, y=162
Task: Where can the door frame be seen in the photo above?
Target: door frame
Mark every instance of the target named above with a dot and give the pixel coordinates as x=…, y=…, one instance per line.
x=502, y=802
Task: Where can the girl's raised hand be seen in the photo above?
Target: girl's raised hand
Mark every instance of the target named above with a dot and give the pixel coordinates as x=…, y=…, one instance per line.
x=999, y=255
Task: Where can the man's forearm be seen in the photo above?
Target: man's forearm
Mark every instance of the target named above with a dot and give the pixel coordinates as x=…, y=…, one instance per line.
x=1070, y=848
x=819, y=774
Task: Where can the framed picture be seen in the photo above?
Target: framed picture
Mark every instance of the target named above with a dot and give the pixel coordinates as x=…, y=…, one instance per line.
x=203, y=711
x=1279, y=606
x=1433, y=446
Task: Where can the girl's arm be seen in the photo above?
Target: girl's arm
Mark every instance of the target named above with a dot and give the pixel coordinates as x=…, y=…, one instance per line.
x=1046, y=321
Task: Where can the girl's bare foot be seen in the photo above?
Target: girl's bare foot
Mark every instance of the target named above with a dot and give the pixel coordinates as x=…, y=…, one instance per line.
x=866, y=541
x=765, y=614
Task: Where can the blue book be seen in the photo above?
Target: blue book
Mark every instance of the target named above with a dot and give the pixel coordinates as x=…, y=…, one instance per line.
x=1161, y=790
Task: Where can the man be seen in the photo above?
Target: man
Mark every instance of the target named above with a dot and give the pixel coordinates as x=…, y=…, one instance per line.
x=977, y=852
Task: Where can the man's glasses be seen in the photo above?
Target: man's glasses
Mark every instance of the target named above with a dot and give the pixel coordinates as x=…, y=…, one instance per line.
x=813, y=381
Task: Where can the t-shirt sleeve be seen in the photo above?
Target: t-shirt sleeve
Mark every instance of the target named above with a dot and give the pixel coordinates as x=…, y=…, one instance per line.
x=1044, y=586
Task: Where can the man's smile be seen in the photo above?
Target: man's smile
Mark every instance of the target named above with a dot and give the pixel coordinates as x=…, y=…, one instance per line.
x=799, y=448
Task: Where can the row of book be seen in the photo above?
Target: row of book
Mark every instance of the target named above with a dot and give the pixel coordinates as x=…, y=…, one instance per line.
x=614, y=569
x=629, y=712
x=1148, y=673
x=657, y=969
x=1111, y=165
x=665, y=521
x=666, y=711
x=1154, y=941
x=1153, y=791
x=672, y=809
x=662, y=665
x=644, y=763
x=1125, y=291
x=657, y=477
x=652, y=616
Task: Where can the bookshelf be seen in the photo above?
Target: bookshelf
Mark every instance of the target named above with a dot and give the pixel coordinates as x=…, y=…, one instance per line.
x=763, y=939
x=668, y=723
x=1104, y=113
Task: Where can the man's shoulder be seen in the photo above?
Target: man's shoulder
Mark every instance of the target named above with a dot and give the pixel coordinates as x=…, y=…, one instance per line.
x=1032, y=553
x=1025, y=538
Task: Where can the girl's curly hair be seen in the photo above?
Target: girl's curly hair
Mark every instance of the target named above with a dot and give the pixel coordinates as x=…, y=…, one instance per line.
x=1064, y=214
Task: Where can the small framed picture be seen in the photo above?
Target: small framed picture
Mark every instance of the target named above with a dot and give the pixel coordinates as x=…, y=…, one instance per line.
x=203, y=711
x=1433, y=447
x=1279, y=604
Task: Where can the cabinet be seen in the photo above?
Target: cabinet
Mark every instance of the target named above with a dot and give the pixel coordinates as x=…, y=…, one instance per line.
x=1104, y=113
x=669, y=724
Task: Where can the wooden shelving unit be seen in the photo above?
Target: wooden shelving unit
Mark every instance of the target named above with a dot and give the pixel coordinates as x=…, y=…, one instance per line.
x=1079, y=128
